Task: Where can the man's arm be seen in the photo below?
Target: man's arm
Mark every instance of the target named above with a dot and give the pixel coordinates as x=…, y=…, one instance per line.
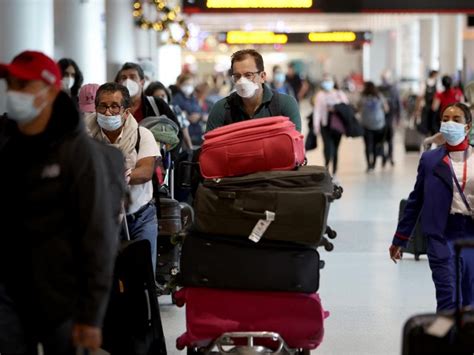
x=216, y=116
x=146, y=159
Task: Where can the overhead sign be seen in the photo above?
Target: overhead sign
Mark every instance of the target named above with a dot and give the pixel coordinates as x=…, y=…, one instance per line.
x=256, y=37
x=259, y=4
x=267, y=37
x=344, y=6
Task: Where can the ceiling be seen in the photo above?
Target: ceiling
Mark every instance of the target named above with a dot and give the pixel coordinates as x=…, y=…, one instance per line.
x=300, y=22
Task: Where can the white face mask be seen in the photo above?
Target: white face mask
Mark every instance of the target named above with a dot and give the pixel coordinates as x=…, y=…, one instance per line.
x=246, y=88
x=431, y=82
x=187, y=89
x=67, y=83
x=132, y=86
x=109, y=123
x=20, y=106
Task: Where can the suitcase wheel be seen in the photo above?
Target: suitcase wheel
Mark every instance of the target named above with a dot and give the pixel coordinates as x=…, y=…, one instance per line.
x=331, y=233
x=322, y=264
x=329, y=246
x=417, y=257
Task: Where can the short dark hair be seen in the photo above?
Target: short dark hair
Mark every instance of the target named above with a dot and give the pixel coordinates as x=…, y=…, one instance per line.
x=447, y=81
x=157, y=85
x=130, y=65
x=64, y=63
x=464, y=108
x=114, y=87
x=370, y=89
x=244, y=53
x=432, y=72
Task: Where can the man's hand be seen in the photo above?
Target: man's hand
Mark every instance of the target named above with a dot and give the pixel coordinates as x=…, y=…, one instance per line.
x=395, y=253
x=87, y=336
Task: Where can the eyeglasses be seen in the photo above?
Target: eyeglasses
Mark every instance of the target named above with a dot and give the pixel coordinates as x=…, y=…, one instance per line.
x=248, y=75
x=114, y=109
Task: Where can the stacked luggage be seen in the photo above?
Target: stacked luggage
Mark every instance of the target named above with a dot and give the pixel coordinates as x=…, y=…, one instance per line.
x=251, y=262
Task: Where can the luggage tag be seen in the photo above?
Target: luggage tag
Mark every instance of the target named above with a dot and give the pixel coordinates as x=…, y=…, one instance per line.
x=261, y=226
x=440, y=327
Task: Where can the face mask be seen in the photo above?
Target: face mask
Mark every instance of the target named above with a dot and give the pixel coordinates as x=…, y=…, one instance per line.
x=327, y=85
x=164, y=98
x=67, y=83
x=109, y=123
x=132, y=87
x=280, y=77
x=431, y=82
x=21, y=108
x=188, y=90
x=246, y=88
x=453, y=132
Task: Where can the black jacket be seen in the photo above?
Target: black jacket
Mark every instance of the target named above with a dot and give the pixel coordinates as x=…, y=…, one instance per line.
x=59, y=231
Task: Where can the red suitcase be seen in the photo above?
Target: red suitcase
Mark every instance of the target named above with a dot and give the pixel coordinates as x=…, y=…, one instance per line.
x=297, y=317
x=246, y=147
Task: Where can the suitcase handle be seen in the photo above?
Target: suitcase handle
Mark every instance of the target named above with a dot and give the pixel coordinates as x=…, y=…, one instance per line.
x=227, y=339
x=259, y=215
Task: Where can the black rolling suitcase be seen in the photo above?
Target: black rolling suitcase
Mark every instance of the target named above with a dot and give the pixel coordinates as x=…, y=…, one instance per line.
x=418, y=337
x=236, y=263
x=132, y=323
x=299, y=200
x=418, y=244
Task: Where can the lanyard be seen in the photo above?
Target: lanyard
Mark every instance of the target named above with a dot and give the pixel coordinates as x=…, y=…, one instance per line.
x=464, y=180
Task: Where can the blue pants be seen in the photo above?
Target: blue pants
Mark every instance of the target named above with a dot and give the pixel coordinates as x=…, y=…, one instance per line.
x=442, y=262
x=144, y=225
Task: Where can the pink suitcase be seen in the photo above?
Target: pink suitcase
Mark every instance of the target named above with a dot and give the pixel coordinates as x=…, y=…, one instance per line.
x=250, y=146
x=297, y=317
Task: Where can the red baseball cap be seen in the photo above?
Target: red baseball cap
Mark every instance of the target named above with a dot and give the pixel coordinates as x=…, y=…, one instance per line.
x=31, y=65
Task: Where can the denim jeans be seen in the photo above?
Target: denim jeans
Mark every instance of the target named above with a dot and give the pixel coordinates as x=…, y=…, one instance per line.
x=144, y=225
x=15, y=338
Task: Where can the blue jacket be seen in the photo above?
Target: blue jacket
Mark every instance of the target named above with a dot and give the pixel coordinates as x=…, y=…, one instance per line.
x=432, y=196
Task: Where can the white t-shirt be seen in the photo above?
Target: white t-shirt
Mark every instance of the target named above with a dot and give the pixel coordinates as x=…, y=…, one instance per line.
x=457, y=159
x=141, y=194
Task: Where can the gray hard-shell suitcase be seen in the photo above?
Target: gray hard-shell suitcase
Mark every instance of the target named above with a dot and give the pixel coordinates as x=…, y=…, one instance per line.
x=299, y=200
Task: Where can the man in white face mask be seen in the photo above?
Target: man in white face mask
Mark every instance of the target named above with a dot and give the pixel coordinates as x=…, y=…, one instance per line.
x=114, y=124
x=132, y=76
x=252, y=97
x=59, y=231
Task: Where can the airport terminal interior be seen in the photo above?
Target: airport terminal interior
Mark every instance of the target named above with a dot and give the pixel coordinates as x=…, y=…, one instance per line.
x=369, y=297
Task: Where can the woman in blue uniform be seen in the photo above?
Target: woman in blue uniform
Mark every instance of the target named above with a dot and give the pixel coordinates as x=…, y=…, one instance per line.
x=444, y=195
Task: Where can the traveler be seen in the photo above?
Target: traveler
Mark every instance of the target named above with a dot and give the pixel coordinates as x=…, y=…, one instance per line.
x=60, y=223
x=390, y=92
x=131, y=76
x=448, y=96
x=157, y=89
x=443, y=195
x=185, y=98
x=372, y=108
x=326, y=121
x=279, y=82
x=429, y=120
x=71, y=78
x=252, y=98
x=114, y=124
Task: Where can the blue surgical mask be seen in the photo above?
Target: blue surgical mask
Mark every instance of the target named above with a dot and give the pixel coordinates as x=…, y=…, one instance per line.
x=280, y=77
x=109, y=123
x=327, y=85
x=453, y=132
x=21, y=108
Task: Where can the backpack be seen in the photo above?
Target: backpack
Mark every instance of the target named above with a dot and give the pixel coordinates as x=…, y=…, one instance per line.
x=373, y=115
x=232, y=115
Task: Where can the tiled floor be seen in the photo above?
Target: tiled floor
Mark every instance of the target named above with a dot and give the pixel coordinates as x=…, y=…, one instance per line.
x=369, y=297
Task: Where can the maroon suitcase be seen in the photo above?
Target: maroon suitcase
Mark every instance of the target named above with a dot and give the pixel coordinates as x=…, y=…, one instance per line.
x=297, y=317
x=250, y=146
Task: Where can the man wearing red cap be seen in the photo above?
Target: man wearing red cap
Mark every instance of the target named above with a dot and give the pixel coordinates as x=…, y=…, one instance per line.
x=59, y=223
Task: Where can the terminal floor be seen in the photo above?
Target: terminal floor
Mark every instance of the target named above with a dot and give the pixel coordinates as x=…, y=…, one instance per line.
x=368, y=296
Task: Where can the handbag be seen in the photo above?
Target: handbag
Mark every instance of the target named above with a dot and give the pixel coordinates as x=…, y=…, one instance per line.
x=311, y=141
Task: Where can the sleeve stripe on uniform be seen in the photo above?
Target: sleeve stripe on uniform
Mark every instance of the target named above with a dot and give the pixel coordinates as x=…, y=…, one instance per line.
x=402, y=237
